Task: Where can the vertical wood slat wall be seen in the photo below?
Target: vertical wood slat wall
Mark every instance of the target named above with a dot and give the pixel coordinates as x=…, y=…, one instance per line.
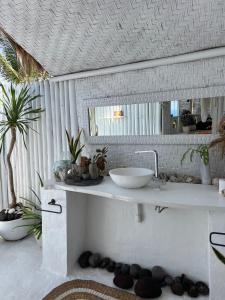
x=46, y=146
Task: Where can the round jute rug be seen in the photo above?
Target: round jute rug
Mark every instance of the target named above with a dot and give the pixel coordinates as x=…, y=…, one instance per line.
x=87, y=289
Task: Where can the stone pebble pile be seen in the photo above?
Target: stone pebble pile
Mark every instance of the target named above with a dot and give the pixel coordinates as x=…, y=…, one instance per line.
x=147, y=283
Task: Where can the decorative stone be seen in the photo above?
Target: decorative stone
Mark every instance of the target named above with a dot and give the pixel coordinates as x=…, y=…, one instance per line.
x=186, y=282
x=203, y=289
x=104, y=262
x=173, y=178
x=196, y=180
x=94, y=260
x=189, y=179
x=83, y=260
x=145, y=273
x=111, y=267
x=125, y=269
x=135, y=270
x=177, y=288
x=215, y=181
x=168, y=280
x=158, y=273
x=193, y=292
x=117, y=270
x=11, y=216
x=3, y=215
x=123, y=281
x=147, y=288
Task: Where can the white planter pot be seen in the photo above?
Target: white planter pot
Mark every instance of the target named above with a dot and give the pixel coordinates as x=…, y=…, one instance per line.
x=10, y=232
x=205, y=173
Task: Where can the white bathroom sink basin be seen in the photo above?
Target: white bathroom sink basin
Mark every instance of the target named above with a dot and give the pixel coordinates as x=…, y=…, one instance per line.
x=131, y=178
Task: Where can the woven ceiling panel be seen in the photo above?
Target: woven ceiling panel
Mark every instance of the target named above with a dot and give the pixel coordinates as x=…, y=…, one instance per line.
x=74, y=35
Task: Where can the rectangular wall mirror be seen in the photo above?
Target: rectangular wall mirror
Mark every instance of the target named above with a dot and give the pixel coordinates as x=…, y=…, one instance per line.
x=189, y=116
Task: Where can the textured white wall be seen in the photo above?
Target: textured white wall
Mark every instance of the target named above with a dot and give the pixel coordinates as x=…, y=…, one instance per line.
x=183, y=76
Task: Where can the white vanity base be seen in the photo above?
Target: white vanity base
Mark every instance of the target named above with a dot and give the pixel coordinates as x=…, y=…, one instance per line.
x=178, y=239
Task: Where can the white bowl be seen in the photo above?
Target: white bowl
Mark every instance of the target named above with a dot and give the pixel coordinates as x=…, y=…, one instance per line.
x=131, y=178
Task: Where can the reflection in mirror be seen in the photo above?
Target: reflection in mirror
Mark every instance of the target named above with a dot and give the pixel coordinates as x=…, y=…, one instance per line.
x=191, y=116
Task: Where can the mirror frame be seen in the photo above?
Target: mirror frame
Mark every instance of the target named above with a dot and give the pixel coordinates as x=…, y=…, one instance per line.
x=202, y=92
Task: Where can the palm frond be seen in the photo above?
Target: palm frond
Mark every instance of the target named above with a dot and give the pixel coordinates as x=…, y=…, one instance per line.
x=22, y=62
x=7, y=71
x=18, y=110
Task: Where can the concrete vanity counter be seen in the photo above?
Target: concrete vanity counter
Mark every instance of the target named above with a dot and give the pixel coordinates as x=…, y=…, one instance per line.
x=181, y=195
x=102, y=219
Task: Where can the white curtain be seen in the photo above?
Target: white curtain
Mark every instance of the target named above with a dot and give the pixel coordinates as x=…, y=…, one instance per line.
x=46, y=146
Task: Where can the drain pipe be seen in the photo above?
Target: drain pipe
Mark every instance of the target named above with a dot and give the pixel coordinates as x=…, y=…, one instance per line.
x=193, y=56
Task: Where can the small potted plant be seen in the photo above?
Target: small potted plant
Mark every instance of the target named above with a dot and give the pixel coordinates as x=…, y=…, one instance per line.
x=188, y=121
x=203, y=152
x=18, y=115
x=75, y=150
x=98, y=162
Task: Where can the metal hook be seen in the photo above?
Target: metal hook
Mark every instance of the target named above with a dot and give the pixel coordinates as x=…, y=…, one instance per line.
x=52, y=202
x=210, y=238
x=160, y=209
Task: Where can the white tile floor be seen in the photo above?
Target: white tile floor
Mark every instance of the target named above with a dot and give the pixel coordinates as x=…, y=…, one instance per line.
x=21, y=276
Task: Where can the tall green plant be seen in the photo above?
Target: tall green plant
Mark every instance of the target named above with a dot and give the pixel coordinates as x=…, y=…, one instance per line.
x=73, y=144
x=202, y=151
x=18, y=114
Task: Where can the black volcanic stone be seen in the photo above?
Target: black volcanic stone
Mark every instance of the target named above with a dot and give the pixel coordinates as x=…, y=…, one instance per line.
x=177, y=288
x=111, y=267
x=118, y=265
x=83, y=260
x=123, y=281
x=145, y=273
x=186, y=282
x=193, y=292
x=3, y=215
x=148, y=288
x=18, y=216
x=203, y=288
x=135, y=270
x=158, y=273
x=168, y=280
x=104, y=262
x=11, y=217
x=125, y=269
x=94, y=260
x=117, y=270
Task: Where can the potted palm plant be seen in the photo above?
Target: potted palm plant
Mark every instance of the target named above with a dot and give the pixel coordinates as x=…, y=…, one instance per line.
x=203, y=152
x=17, y=116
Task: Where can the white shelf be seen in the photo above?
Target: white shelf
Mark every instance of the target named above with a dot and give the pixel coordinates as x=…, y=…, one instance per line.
x=182, y=195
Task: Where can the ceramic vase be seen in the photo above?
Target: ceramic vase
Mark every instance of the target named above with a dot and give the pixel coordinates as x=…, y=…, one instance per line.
x=205, y=173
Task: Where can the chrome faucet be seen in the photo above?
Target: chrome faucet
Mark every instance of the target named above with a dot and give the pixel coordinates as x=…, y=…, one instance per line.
x=156, y=160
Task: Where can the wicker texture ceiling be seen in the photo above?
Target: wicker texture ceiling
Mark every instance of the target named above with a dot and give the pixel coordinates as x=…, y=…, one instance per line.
x=69, y=36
